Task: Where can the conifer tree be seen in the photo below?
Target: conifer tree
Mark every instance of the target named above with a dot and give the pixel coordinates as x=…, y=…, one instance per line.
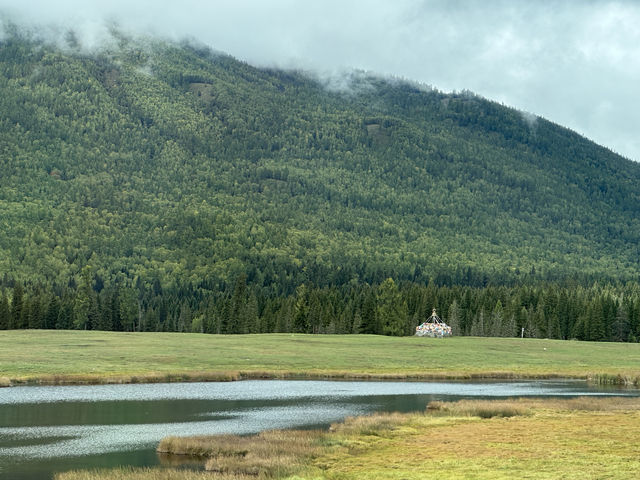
x=35, y=317
x=453, y=318
x=129, y=310
x=238, y=301
x=5, y=313
x=250, y=314
x=65, y=315
x=370, y=322
x=478, y=327
x=301, y=310
x=495, y=327
x=391, y=308
x=84, y=301
x=53, y=310
x=17, y=306
x=596, y=321
x=621, y=328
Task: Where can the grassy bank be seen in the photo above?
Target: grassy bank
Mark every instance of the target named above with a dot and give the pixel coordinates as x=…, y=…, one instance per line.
x=584, y=438
x=40, y=356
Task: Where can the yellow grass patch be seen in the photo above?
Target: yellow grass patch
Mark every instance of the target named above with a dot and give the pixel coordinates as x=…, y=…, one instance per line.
x=576, y=438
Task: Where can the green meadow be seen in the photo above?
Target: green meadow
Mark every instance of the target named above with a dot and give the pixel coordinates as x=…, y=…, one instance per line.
x=39, y=356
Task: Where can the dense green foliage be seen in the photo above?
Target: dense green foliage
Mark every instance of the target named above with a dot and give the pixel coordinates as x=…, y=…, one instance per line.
x=152, y=180
x=549, y=311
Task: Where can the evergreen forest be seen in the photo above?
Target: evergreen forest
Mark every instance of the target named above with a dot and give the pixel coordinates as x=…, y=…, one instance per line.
x=157, y=186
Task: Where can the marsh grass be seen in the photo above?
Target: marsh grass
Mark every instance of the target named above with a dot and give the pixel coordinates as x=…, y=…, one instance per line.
x=529, y=406
x=150, y=377
x=479, y=408
x=269, y=454
x=375, y=424
x=615, y=379
x=128, y=473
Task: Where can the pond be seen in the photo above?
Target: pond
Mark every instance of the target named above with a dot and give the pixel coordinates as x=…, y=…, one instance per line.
x=44, y=430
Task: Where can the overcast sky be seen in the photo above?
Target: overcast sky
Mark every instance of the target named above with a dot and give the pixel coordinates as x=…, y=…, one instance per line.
x=576, y=63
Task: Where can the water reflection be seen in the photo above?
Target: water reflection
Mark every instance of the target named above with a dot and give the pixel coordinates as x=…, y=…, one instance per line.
x=73, y=440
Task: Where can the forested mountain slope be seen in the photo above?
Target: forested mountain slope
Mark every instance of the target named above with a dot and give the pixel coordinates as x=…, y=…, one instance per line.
x=157, y=163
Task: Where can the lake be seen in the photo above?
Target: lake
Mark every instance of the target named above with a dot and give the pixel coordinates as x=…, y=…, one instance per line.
x=44, y=430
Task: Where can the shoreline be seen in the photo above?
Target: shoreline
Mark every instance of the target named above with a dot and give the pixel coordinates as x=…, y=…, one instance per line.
x=233, y=376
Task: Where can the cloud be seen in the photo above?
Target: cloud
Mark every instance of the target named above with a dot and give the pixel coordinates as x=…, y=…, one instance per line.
x=575, y=63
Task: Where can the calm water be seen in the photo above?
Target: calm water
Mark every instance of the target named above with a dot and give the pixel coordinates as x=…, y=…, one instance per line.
x=51, y=429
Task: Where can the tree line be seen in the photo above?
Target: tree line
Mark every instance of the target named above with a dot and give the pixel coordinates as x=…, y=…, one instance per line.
x=598, y=312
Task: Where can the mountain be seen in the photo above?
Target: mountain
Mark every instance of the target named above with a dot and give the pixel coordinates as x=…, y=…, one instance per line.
x=153, y=163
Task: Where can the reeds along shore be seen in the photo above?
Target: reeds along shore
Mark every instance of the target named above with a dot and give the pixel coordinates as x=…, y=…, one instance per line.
x=631, y=380
x=617, y=379
x=262, y=375
x=273, y=453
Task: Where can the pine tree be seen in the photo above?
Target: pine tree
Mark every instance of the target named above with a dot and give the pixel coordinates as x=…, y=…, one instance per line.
x=250, y=314
x=563, y=315
x=453, y=318
x=65, y=315
x=531, y=326
x=5, y=313
x=553, y=326
x=314, y=317
x=596, y=321
x=284, y=316
x=17, y=306
x=621, y=328
x=129, y=309
x=478, y=327
x=370, y=322
x=116, y=321
x=83, y=302
x=105, y=321
x=357, y=323
x=93, y=315
x=391, y=308
x=301, y=310
x=53, y=310
x=509, y=327
x=149, y=322
x=495, y=327
x=580, y=329
x=540, y=321
x=237, y=303
x=35, y=316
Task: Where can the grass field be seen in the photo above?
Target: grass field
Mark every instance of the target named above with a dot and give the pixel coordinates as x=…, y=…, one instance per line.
x=584, y=438
x=96, y=357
